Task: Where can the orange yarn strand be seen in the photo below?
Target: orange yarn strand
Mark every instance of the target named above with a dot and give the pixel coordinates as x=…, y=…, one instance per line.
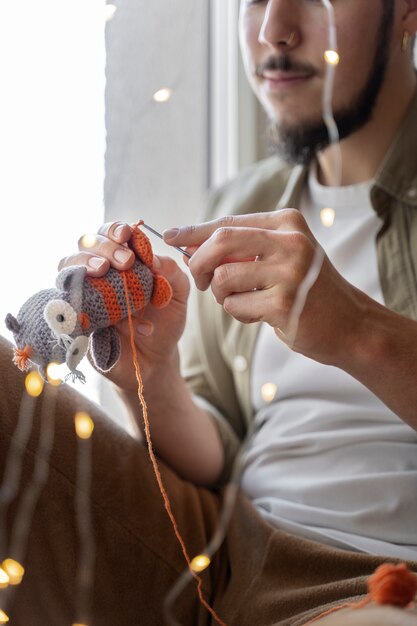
x=389, y=584
x=155, y=463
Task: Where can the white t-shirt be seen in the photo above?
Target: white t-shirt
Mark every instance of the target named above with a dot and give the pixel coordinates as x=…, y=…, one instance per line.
x=329, y=461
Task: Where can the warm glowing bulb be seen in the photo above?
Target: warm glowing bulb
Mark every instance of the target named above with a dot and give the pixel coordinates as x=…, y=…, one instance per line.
x=88, y=241
x=34, y=384
x=4, y=579
x=14, y=571
x=3, y=617
x=200, y=563
x=327, y=217
x=109, y=12
x=84, y=425
x=331, y=57
x=268, y=392
x=162, y=95
x=77, y=624
x=52, y=373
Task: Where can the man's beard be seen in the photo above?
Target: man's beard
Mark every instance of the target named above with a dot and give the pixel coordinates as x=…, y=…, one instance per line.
x=300, y=144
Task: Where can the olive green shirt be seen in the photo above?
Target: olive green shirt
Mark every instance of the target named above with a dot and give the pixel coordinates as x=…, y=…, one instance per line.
x=217, y=350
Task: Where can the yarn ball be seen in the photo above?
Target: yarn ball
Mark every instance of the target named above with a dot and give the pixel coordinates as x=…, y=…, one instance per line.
x=393, y=584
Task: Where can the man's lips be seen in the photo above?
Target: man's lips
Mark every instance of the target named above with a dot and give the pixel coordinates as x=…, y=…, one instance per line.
x=279, y=79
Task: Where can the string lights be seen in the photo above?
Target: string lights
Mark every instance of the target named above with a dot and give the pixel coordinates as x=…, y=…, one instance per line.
x=89, y=240
x=53, y=374
x=4, y=579
x=109, y=12
x=200, y=563
x=14, y=571
x=163, y=95
x=84, y=427
x=30, y=497
x=327, y=217
x=268, y=392
x=34, y=384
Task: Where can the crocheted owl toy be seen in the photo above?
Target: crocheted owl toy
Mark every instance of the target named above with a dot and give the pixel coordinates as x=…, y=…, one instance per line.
x=59, y=325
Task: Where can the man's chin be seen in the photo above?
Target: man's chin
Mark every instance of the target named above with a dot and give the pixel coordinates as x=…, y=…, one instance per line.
x=297, y=145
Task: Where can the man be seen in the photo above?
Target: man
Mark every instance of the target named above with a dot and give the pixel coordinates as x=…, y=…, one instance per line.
x=322, y=365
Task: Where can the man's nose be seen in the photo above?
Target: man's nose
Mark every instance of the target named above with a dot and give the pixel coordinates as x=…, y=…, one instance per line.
x=280, y=28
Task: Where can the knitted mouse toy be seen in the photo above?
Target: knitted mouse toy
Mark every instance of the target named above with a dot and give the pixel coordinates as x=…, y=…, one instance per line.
x=59, y=325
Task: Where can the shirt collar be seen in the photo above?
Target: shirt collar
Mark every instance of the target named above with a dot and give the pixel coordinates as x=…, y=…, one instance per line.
x=397, y=175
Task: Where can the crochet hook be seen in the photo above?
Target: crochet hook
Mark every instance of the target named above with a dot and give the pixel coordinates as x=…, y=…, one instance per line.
x=155, y=232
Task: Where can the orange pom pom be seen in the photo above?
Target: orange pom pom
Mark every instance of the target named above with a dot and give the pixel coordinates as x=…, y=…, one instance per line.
x=21, y=358
x=393, y=584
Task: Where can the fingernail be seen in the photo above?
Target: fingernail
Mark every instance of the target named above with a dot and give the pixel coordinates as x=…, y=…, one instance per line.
x=118, y=231
x=171, y=233
x=144, y=328
x=122, y=255
x=95, y=262
x=156, y=264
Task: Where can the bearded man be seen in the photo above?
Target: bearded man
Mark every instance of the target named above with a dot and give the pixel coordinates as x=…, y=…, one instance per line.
x=310, y=343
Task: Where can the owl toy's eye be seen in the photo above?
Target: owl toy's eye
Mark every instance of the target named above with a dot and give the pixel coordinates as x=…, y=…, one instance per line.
x=76, y=352
x=60, y=317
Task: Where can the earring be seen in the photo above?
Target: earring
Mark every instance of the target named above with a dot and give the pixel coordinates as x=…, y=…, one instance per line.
x=404, y=43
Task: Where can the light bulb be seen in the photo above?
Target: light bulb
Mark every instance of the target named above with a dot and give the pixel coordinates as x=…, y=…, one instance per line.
x=52, y=373
x=89, y=240
x=14, y=570
x=162, y=95
x=109, y=12
x=268, y=392
x=34, y=384
x=84, y=425
x=331, y=57
x=327, y=217
x=200, y=563
x=4, y=579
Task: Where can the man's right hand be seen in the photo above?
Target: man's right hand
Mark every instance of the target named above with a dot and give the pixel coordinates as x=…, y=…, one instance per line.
x=157, y=331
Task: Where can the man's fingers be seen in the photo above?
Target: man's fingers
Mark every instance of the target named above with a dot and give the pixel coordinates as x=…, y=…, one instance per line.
x=97, y=266
x=237, y=245
x=196, y=234
x=118, y=255
x=119, y=232
x=271, y=306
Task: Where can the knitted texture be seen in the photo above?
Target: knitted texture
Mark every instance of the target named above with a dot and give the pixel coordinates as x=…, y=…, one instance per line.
x=54, y=325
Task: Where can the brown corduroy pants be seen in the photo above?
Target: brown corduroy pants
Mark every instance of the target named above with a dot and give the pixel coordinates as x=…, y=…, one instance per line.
x=259, y=577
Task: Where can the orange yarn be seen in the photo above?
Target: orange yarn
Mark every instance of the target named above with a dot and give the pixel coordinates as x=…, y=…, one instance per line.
x=84, y=320
x=141, y=244
x=155, y=463
x=21, y=358
x=111, y=302
x=393, y=584
x=389, y=584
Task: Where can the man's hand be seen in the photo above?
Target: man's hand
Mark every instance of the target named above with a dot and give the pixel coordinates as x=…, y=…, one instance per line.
x=157, y=331
x=258, y=267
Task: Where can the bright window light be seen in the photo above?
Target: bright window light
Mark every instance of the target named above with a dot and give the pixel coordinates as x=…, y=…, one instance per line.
x=52, y=141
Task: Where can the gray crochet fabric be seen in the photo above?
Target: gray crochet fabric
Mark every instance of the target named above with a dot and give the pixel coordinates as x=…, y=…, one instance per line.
x=58, y=325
